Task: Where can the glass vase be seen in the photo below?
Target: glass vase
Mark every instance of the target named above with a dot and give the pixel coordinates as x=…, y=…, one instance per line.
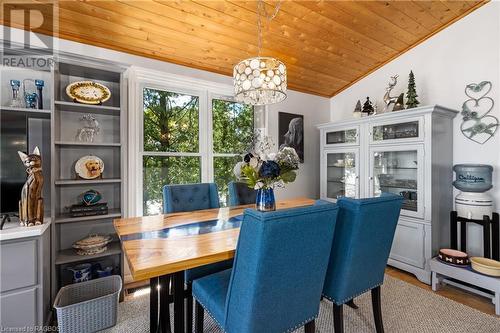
x=265, y=200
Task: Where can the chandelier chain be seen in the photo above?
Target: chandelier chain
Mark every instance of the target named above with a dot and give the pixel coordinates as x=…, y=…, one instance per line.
x=262, y=12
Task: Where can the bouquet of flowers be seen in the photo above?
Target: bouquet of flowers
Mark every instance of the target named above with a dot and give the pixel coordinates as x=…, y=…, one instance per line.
x=263, y=169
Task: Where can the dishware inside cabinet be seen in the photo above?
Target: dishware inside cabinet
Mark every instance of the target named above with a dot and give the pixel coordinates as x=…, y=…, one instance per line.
x=342, y=137
x=397, y=172
x=342, y=174
x=396, y=131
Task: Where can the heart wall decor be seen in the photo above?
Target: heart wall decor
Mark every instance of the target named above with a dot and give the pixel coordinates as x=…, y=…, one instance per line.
x=478, y=125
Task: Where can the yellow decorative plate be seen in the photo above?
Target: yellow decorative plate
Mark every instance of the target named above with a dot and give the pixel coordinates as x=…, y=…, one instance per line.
x=486, y=266
x=88, y=92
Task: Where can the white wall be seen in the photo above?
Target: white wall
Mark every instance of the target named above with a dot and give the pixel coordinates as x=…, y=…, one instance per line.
x=315, y=111
x=465, y=52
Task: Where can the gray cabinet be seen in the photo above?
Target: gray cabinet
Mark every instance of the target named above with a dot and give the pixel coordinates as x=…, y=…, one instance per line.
x=408, y=244
x=18, y=262
x=408, y=153
x=25, y=279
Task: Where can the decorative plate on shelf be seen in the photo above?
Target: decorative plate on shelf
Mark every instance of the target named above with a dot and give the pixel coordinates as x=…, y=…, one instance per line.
x=88, y=92
x=89, y=167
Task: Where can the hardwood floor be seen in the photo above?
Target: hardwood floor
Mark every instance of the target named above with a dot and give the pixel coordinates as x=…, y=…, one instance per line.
x=458, y=295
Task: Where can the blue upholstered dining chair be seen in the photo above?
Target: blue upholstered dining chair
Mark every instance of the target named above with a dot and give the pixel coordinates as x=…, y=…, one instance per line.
x=361, y=245
x=189, y=197
x=278, y=273
x=186, y=198
x=240, y=194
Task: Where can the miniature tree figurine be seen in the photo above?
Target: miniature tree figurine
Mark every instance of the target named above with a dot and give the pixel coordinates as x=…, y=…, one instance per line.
x=411, y=95
x=357, y=110
x=368, y=107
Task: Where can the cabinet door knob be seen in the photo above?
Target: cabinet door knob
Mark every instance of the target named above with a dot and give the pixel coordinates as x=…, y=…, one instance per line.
x=371, y=178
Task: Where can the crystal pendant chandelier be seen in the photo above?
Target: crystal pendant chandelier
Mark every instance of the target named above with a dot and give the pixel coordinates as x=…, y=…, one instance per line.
x=260, y=80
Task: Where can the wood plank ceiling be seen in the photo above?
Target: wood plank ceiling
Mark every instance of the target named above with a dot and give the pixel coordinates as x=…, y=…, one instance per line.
x=326, y=45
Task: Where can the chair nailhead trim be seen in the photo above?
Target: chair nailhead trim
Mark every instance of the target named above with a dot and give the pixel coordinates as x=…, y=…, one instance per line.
x=203, y=305
x=300, y=324
x=351, y=297
x=287, y=331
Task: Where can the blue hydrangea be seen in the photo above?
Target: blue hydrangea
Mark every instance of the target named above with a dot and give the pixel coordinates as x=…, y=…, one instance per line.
x=269, y=169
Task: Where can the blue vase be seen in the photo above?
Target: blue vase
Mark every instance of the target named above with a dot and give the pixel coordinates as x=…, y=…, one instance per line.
x=265, y=200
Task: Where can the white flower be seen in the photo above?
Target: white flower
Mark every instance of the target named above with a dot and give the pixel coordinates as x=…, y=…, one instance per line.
x=287, y=157
x=271, y=156
x=237, y=169
x=258, y=185
x=254, y=162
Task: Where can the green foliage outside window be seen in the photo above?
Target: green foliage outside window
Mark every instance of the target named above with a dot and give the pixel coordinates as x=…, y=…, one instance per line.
x=232, y=126
x=162, y=170
x=171, y=124
x=232, y=134
x=170, y=121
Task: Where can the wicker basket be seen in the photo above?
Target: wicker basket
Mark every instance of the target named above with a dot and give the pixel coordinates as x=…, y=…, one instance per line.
x=88, y=306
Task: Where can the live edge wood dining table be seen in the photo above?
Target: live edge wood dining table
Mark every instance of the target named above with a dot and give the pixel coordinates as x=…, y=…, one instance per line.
x=162, y=247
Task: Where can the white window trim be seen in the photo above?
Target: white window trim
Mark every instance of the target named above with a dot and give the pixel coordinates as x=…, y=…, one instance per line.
x=139, y=79
x=211, y=97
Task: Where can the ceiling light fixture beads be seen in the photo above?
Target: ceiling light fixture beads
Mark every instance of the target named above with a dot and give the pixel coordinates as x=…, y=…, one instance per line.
x=260, y=80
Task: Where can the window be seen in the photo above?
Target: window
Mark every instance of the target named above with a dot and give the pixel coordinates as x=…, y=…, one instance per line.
x=171, y=144
x=233, y=126
x=178, y=147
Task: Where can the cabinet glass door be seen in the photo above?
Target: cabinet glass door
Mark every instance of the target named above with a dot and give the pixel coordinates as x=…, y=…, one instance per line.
x=342, y=174
x=407, y=131
x=347, y=136
x=399, y=171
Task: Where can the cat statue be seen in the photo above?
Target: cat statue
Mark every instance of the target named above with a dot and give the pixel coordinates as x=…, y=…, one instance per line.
x=31, y=203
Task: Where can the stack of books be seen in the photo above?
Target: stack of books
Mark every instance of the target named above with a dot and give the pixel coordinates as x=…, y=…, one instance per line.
x=84, y=210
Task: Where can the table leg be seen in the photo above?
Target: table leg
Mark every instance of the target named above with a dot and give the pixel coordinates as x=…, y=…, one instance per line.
x=153, y=305
x=164, y=304
x=178, y=302
x=497, y=303
x=436, y=281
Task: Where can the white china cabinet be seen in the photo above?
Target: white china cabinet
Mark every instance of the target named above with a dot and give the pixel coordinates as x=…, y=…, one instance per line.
x=409, y=153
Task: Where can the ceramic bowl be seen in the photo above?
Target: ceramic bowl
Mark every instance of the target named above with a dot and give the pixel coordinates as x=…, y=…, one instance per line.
x=486, y=266
x=454, y=257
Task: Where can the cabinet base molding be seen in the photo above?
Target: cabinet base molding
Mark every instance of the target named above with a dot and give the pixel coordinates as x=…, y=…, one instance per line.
x=421, y=274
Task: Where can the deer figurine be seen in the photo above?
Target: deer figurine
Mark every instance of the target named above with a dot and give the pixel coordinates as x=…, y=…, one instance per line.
x=31, y=203
x=388, y=99
x=89, y=130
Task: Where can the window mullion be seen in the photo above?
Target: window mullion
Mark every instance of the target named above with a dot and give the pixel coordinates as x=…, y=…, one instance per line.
x=210, y=139
x=225, y=154
x=166, y=154
x=204, y=143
